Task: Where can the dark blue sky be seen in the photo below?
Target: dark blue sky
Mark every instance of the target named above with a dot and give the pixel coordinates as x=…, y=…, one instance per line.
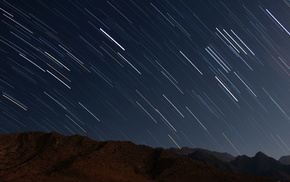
x=208, y=74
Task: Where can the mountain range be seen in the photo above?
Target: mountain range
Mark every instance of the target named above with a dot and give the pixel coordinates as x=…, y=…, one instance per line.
x=38, y=156
x=260, y=164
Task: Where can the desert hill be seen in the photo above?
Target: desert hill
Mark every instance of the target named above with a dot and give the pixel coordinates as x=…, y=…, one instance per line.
x=38, y=156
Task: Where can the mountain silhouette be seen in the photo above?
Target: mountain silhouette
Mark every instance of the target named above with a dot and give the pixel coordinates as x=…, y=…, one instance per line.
x=38, y=156
x=185, y=151
x=285, y=160
x=263, y=165
x=260, y=164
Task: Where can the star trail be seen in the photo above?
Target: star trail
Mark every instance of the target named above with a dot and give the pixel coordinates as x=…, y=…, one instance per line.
x=200, y=73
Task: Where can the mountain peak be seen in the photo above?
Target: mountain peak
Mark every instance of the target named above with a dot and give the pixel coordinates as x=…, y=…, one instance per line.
x=261, y=155
x=285, y=160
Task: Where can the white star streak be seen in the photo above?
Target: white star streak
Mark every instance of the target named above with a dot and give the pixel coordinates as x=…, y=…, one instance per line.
x=228, y=40
x=146, y=112
x=277, y=104
x=278, y=22
x=76, y=123
x=278, y=144
x=190, y=62
x=112, y=39
x=283, y=142
x=129, y=63
x=245, y=84
x=55, y=100
x=69, y=129
x=172, y=82
x=235, y=41
x=221, y=63
x=231, y=144
x=6, y=12
x=15, y=101
x=18, y=24
x=89, y=111
x=226, y=88
x=173, y=105
x=31, y=62
x=174, y=141
x=166, y=120
x=53, y=58
x=58, y=79
x=196, y=119
x=145, y=99
x=243, y=42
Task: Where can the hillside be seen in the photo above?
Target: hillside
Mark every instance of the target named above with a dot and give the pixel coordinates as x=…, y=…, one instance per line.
x=37, y=156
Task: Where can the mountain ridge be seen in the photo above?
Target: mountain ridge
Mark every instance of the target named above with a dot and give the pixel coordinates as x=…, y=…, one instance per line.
x=39, y=156
x=260, y=164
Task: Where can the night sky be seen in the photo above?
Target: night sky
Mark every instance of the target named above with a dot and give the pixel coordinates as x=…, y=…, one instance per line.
x=167, y=73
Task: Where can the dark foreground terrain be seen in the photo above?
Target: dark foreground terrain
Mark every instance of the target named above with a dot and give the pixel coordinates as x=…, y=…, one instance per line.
x=37, y=156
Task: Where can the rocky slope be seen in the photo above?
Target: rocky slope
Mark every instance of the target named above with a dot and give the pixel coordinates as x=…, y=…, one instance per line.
x=37, y=156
